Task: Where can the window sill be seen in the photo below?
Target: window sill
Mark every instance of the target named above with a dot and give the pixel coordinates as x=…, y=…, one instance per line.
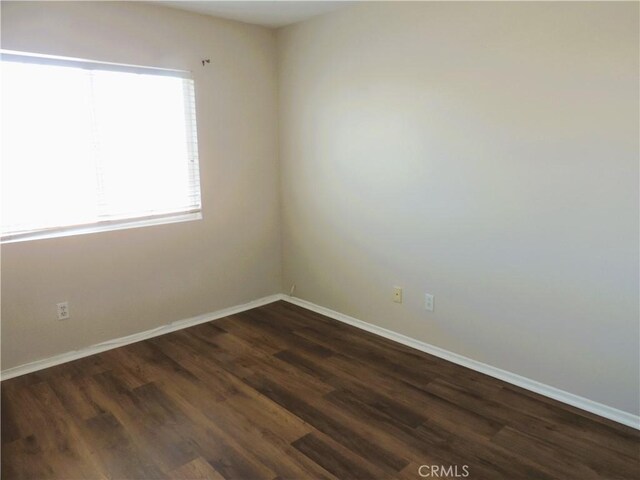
x=102, y=227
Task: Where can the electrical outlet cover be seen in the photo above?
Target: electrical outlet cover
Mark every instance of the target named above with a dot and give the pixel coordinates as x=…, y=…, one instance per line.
x=428, y=302
x=63, y=310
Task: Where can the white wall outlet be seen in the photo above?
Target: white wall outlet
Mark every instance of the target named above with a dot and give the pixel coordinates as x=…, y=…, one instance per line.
x=428, y=302
x=63, y=310
x=397, y=294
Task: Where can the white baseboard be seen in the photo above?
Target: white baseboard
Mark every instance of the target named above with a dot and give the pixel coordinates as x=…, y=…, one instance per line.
x=546, y=390
x=136, y=337
x=577, y=401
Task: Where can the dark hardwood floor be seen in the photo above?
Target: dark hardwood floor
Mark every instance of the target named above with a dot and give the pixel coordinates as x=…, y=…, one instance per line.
x=281, y=392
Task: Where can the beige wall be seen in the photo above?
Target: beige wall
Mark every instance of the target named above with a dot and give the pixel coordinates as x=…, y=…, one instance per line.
x=128, y=281
x=486, y=153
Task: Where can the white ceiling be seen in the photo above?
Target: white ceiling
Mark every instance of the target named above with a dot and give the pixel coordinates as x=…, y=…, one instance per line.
x=267, y=12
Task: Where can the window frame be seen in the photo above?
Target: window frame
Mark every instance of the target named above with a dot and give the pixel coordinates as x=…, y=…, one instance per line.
x=128, y=222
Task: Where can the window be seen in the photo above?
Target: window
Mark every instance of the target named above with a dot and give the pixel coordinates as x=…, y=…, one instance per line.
x=90, y=146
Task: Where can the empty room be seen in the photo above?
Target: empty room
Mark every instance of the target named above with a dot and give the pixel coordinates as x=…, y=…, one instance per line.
x=260, y=240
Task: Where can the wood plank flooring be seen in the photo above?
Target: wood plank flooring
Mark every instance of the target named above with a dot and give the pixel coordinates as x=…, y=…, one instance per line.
x=279, y=392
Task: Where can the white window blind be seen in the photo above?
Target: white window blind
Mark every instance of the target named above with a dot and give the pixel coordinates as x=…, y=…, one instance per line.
x=89, y=146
